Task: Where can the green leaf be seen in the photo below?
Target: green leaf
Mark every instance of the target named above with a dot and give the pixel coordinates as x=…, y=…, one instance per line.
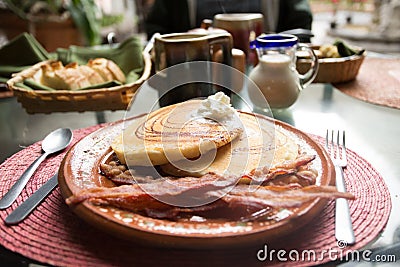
x=19, y=9
x=83, y=12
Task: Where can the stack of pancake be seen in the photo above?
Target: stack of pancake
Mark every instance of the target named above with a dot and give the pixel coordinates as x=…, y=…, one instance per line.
x=184, y=142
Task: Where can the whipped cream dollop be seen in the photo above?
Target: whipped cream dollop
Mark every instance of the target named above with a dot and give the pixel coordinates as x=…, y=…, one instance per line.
x=217, y=107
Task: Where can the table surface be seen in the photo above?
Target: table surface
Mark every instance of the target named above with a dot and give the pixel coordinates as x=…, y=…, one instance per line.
x=371, y=131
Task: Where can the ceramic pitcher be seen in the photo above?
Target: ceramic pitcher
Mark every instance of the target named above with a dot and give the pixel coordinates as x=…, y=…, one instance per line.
x=275, y=75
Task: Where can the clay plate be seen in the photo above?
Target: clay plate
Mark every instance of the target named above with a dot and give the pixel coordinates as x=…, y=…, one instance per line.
x=80, y=170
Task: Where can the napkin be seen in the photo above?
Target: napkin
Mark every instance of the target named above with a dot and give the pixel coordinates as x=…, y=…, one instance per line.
x=20, y=53
x=25, y=51
x=127, y=55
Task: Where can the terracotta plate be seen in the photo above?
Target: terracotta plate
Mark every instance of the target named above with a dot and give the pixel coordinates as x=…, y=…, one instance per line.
x=80, y=170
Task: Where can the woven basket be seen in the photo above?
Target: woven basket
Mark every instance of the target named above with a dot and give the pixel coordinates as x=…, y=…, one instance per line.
x=333, y=70
x=41, y=101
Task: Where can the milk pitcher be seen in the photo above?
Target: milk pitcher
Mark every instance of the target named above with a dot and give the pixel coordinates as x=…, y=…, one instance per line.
x=275, y=74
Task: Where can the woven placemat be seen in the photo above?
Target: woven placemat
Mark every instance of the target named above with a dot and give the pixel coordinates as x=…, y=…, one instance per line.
x=52, y=234
x=378, y=82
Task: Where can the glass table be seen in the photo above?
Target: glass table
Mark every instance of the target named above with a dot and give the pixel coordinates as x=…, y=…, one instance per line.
x=371, y=131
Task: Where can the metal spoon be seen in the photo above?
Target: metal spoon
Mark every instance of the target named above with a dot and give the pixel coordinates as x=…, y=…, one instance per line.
x=54, y=142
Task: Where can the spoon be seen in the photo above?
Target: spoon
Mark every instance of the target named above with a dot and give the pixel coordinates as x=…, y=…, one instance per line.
x=54, y=142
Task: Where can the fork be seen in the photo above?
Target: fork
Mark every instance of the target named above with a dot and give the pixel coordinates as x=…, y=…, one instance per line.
x=343, y=226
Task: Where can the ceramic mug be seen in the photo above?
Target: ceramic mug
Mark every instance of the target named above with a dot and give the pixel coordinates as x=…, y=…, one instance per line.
x=238, y=57
x=244, y=27
x=177, y=48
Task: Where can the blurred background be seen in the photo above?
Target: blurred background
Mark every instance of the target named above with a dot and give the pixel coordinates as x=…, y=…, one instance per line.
x=373, y=24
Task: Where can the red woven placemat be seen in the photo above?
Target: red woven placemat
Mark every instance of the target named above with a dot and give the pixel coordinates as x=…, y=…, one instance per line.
x=52, y=234
x=378, y=82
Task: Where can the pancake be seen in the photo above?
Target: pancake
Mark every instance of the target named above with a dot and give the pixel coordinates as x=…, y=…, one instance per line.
x=261, y=144
x=175, y=133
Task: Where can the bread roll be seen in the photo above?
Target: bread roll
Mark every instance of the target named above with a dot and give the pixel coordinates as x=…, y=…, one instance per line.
x=51, y=79
x=107, y=69
x=74, y=77
x=93, y=76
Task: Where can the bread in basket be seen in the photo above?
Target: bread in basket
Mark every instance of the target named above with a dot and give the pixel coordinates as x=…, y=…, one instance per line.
x=43, y=101
x=334, y=70
x=338, y=62
x=129, y=56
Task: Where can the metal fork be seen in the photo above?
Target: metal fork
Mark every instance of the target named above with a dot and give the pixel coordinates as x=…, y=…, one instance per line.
x=343, y=225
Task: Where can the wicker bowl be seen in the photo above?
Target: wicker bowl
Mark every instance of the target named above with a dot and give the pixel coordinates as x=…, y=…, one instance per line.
x=42, y=101
x=334, y=70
